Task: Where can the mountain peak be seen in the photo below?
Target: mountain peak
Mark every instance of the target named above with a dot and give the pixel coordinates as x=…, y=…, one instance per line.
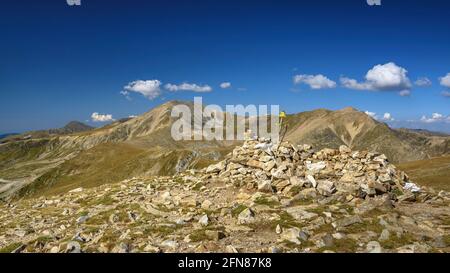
x=76, y=126
x=349, y=109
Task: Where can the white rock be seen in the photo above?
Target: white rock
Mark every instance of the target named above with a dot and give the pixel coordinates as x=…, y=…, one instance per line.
x=374, y=247
x=265, y=186
x=311, y=180
x=315, y=167
x=204, y=220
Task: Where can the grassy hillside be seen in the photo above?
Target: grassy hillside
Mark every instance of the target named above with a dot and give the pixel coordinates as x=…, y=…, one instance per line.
x=433, y=172
x=114, y=162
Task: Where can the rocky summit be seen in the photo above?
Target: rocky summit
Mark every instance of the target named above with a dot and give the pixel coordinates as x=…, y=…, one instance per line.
x=263, y=197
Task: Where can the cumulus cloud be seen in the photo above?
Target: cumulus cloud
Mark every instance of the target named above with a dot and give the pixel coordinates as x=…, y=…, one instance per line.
x=435, y=117
x=404, y=93
x=315, y=81
x=446, y=94
x=388, y=117
x=386, y=77
x=423, y=81
x=188, y=87
x=148, y=88
x=445, y=81
x=96, y=117
x=225, y=85
x=371, y=114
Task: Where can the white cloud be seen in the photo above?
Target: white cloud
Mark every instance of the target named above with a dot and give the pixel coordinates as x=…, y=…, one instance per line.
x=435, y=117
x=96, y=117
x=315, y=81
x=225, y=85
x=386, y=77
x=388, y=117
x=446, y=94
x=423, y=81
x=149, y=88
x=188, y=87
x=372, y=115
x=404, y=93
x=445, y=81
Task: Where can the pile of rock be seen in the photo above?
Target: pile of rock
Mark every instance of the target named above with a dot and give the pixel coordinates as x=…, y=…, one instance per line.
x=287, y=169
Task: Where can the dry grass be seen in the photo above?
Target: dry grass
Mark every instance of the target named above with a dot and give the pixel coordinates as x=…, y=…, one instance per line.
x=433, y=172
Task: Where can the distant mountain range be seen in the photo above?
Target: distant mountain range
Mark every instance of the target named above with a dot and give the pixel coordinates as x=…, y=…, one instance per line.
x=7, y=135
x=54, y=161
x=69, y=128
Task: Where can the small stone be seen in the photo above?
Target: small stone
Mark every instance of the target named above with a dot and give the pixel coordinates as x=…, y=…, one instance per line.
x=215, y=235
x=265, y=186
x=246, y=216
x=300, y=214
x=206, y=204
x=311, y=180
x=296, y=181
x=439, y=242
x=326, y=187
x=121, y=248
x=316, y=167
x=54, y=249
x=216, y=168
x=273, y=249
x=231, y=249
x=344, y=149
x=73, y=247
x=374, y=247
x=76, y=190
x=204, y=220
x=294, y=235
x=385, y=235
x=347, y=221
x=152, y=249
x=278, y=229
x=170, y=244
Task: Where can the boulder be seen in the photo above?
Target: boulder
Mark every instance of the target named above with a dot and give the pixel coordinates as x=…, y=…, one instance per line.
x=247, y=216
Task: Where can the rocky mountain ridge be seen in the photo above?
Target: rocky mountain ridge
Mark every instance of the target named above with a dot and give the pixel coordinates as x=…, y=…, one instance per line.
x=143, y=145
x=262, y=198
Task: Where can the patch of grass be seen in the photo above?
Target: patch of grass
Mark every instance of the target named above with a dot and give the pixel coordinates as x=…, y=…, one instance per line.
x=295, y=190
x=286, y=221
x=434, y=172
x=197, y=186
x=345, y=245
x=301, y=202
x=238, y=209
x=447, y=239
x=161, y=230
x=84, y=213
x=395, y=241
x=200, y=234
x=267, y=202
x=44, y=239
x=106, y=200
x=10, y=248
x=370, y=225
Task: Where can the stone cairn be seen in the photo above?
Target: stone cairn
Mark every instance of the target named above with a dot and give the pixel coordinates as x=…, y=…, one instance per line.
x=288, y=169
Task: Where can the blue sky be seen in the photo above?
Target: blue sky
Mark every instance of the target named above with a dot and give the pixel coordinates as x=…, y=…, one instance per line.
x=60, y=63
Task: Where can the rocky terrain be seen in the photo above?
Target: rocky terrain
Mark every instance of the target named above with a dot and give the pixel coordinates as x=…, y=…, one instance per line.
x=261, y=198
x=56, y=161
